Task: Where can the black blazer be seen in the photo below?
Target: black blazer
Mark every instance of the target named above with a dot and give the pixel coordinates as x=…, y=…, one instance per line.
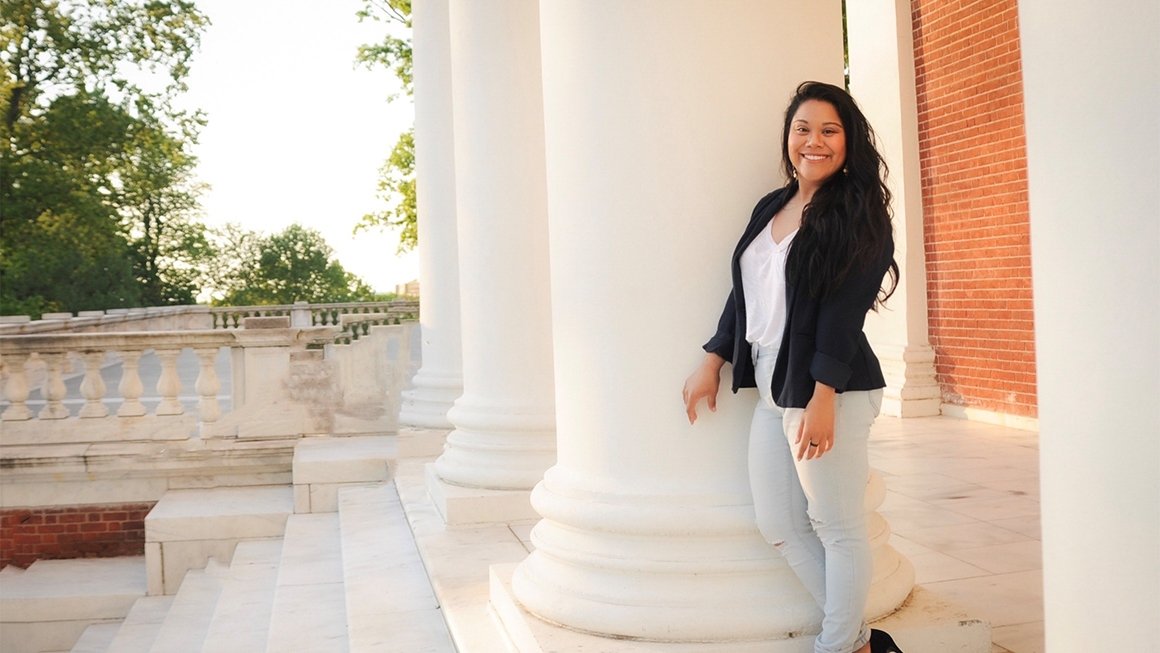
x=823, y=338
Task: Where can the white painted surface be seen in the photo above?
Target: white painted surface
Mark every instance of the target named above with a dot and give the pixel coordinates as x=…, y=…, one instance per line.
x=1091, y=88
x=439, y=381
x=504, y=435
x=881, y=45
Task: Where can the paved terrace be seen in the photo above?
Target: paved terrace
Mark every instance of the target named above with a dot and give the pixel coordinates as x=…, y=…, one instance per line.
x=962, y=501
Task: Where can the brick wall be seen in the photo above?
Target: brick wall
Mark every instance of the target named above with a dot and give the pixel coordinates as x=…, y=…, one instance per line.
x=31, y=534
x=974, y=196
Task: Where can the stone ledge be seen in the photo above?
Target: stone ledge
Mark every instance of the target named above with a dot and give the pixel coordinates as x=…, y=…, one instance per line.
x=343, y=459
x=188, y=527
x=48, y=606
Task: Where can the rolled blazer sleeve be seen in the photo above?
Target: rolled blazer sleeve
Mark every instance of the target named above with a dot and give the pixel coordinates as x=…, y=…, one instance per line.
x=722, y=342
x=841, y=316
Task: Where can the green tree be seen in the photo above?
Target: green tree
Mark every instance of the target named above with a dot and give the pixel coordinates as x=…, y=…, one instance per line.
x=159, y=201
x=72, y=131
x=396, y=185
x=295, y=264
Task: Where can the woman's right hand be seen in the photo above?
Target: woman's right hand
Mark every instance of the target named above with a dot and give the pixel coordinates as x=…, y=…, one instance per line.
x=703, y=383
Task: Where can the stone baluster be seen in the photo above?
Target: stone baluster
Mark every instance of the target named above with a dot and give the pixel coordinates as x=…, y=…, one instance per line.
x=16, y=389
x=300, y=315
x=53, y=389
x=93, y=386
x=207, y=385
x=169, y=385
x=131, y=387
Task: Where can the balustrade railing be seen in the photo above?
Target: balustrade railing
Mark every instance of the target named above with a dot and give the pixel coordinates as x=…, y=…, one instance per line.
x=303, y=315
x=84, y=378
x=59, y=353
x=193, y=318
x=132, y=413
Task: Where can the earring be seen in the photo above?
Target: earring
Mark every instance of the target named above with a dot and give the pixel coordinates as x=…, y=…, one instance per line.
x=793, y=172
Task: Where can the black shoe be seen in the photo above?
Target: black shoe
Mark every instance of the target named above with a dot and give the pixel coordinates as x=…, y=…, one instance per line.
x=882, y=642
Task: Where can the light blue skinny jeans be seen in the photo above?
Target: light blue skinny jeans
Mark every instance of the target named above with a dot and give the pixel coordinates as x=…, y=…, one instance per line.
x=812, y=511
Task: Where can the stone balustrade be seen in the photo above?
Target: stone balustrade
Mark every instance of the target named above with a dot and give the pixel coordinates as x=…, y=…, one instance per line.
x=51, y=357
x=303, y=314
x=191, y=318
x=122, y=416
x=153, y=318
x=112, y=421
x=44, y=362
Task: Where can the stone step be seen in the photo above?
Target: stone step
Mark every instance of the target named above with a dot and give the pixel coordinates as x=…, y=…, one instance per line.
x=309, y=612
x=139, y=630
x=48, y=606
x=188, y=618
x=241, y=621
x=390, y=603
x=96, y=638
x=188, y=527
x=323, y=465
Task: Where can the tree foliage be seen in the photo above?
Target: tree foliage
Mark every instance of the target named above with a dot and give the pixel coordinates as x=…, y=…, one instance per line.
x=97, y=198
x=396, y=188
x=295, y=264
x=396, y=185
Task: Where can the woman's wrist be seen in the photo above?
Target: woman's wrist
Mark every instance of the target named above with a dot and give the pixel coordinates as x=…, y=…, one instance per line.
x=824, y=391
x=713, y=362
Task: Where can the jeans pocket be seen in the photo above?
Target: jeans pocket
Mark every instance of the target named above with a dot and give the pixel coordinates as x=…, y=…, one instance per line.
x=875, y=399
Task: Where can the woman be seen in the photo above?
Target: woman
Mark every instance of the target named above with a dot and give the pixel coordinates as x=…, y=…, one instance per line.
x=809, y=266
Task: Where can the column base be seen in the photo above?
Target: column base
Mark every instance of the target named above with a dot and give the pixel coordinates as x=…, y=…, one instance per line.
x=460, y=506
x=924, y=623
x=427, y=403
x=417, y=442
x=911, y=387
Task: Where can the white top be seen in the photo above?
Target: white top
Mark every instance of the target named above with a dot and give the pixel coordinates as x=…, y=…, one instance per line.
x=763, y=280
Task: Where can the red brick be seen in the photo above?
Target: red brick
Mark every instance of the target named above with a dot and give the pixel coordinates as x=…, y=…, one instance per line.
x=974, y=194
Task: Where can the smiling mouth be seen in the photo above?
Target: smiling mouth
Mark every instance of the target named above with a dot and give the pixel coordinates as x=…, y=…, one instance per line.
x=815, y=157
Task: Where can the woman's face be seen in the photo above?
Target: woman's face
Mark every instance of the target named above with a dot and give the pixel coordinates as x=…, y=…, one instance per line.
x=817, y=142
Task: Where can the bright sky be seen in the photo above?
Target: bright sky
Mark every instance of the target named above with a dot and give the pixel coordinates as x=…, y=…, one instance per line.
x=296, y=133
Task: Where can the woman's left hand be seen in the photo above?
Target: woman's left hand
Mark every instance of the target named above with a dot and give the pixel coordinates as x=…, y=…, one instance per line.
x=815, y=435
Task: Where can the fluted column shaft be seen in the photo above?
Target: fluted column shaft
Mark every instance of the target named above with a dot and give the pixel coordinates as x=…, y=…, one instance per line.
x=504, y=435
x=439, y=381
x=662, y=128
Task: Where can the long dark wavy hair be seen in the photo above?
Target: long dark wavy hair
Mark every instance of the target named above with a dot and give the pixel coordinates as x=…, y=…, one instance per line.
x=846, y=226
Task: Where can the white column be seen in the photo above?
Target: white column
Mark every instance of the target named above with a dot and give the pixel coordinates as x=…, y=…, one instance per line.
x=1093, y=155
x=439, y=381
x=663, y=122
x=504, y=435
x=881, y=47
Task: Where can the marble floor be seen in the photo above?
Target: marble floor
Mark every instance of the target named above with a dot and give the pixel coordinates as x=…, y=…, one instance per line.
x=963, y=503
